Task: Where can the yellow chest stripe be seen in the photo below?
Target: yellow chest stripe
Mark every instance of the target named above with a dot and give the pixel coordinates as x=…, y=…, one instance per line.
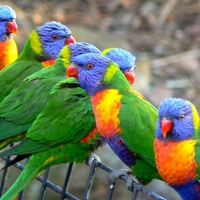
x=106, y=106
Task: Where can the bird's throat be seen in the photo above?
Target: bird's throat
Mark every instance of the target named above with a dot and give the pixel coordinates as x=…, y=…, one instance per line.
x=9, y=52
x=106, y=106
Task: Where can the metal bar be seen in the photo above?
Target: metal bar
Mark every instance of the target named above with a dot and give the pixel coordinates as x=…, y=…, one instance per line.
x=111, y=191
x=4, y=176
x=135, y=188
x=90, y=181
x=148, y=192
x=125, y=178
x=20, y=195
x=67, y=179
x=49, y=184
x=57, y=189
x=44, y=184
x=135, y=192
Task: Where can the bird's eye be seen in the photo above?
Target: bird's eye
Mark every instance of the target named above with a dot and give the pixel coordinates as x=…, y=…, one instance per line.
x=167, y=118
x=54, y=37
x=70, y=35
x=89, y=66
x=181, y=117
x=10, y=20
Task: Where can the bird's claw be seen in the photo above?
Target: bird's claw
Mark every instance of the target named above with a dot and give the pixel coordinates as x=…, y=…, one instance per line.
x=91, y=158
x=113, y=176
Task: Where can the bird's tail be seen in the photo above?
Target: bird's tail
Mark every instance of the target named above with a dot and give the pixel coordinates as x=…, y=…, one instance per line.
x=32, y=168
x=76, y=152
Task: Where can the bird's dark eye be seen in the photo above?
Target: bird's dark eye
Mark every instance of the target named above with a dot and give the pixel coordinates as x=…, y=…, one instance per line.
x=70, y=35
x=181, y=117
x=54, y=37
x=89, y=66
x=10, y=20
x=167, y=118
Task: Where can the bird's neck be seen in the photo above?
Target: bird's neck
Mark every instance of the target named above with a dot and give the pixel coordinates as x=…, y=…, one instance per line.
x=29, y=53
x=63, y=61
x=106, y=105
x=9, y=52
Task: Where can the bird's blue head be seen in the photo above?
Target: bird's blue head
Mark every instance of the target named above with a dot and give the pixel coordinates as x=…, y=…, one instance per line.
x=125, y=60
x=79, y=48
x=92, y=71
x=48, y=40
x=8, y=24
x=69, y=52
x=178, y=120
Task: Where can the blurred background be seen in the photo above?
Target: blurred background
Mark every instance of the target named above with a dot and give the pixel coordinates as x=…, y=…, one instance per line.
x=164, y=36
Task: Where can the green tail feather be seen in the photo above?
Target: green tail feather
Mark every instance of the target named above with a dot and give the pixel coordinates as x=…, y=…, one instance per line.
x=29, y=172
x=74, y=152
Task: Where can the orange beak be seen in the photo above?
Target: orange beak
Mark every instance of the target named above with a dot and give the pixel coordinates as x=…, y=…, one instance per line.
x=11, y=27
x=166, y=126
x=72, y=71
x=70, y=40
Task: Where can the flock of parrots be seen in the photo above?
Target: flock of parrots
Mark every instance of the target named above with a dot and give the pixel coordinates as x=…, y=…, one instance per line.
x=61, y=99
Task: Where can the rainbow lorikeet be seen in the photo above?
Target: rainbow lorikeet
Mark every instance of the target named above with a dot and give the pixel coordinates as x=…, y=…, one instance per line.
x=177, y=147
x=8, y=26
x=20, y=108
x=124, y=118
x=64, y=136
x=40, y=50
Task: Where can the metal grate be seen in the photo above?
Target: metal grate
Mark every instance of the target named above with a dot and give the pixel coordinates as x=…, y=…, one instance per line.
x=135, y=187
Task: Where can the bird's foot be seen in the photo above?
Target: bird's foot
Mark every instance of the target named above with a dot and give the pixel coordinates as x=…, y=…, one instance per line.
x=91, y=158
x=113, y=176
x=129, y=182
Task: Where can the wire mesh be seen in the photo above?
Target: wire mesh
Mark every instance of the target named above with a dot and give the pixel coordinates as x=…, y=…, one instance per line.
x=134, y=187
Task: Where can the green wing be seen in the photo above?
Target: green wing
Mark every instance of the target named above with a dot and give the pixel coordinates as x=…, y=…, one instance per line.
x=67, y=117
x=69, y=104
x=12, y=75
x=143, y=124
x=20, y=108
x=138, y=133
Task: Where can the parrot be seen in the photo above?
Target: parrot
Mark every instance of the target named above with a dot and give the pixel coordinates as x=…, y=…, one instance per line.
x=40, y=50
x=125, y=119
x=176, y=146
x=8, y=27
x=65, y=136
x=19, y=109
